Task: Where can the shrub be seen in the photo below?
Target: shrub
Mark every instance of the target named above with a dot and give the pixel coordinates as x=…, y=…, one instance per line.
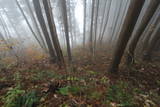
x=119, y=94
x=16, y=97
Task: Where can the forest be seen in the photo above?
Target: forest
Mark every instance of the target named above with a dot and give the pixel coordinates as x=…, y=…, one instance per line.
x=79, y=53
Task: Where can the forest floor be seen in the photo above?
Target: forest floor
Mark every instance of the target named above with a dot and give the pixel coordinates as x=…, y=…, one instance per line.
x=87, y=85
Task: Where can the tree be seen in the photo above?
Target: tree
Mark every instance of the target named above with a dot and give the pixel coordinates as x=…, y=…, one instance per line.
x=116, y=21
x=84, y=23
x=102, y=21
x=52, y=28
x=35, y=24
x=123, y=14
x=148, y=13
x=106, y=23
x=41, y=20
x=91, y=28
x=96, y=22
x=26, y=19
x=65, y=19
x=126, y=31
x=155, y=38
x=150, y=28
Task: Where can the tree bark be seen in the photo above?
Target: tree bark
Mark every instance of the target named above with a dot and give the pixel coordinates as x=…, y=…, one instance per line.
x=106, y=23
x=96, y=22
x=116, y=22
x=141, y=27
x=127, y=29
x=41, y=20
x=156, y=37
x=65, y=19
x=150, y=28
x=52, y=28
x=84, y=25
x=91, y=29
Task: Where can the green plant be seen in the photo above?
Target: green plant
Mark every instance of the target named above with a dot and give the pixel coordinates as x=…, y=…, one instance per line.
x=70, y=90
x=64, y=90
x=10, y=100
x=92, y=72
x=119, y=93
x=16, y=97
x=30, y=99
x=72, y=78
x=104, y=80
x=41, y=75
x=95, y=95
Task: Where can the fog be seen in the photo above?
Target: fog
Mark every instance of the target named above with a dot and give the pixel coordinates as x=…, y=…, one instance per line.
x=90, y=25
x=79, y=53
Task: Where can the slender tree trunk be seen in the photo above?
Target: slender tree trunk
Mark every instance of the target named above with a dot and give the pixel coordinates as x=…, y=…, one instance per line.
x=54, y=36
x=35, y=23
x=96, y=22
x=91, y=31
x=41, y=20
x=106, y=23
x=84, y=24
x=126, y=31
x=150, y=28
x=102, y=22
x=70, y=24
x=156, y=37
x=3, y=25
x=116, y=22
x=121, y=22
x=64, y=11
x=28, y=23
x=138, y=31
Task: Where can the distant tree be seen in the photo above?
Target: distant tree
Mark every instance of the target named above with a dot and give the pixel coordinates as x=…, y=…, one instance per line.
x=26, y=19
x=91, y=28
x=115, y=21
x=144, y=20
x=102, y=21
x=84, y=23
x=70, y=17
x=35, y=24
x=126, y=31
x=96, y=23
x=106, y=22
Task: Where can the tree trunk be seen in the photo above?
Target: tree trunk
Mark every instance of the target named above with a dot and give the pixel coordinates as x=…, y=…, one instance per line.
x=106, y=23
x=84, y=25
x=41, y=20
x=54, y=36
x=20, y=8
x=141, y=27
x=96, y=22
x=64, y=11
x=155, y=38
x=102, y=22
x=35, y=23
x=126, y=31
x=150, y=28
x=116, y=22
x=91, y=27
